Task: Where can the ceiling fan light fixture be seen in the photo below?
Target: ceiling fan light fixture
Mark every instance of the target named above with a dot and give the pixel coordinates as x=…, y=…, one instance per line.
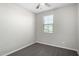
x=42, y=4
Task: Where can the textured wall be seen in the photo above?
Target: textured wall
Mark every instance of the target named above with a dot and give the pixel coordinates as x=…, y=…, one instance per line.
x=16, y=28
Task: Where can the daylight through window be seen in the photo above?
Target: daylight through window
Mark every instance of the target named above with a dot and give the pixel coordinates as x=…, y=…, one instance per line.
x=48, y=24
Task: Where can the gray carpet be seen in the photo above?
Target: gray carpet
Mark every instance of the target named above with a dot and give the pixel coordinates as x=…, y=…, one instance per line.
x=38, y=49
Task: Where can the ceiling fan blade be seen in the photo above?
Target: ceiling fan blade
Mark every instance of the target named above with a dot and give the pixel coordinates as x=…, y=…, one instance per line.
x=47, y=4
x=38, y=6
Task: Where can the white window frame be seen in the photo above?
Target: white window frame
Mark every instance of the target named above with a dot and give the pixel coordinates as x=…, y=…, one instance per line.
x=47, y=24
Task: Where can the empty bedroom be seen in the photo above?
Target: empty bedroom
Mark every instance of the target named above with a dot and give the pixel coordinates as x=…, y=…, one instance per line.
x=39, y=29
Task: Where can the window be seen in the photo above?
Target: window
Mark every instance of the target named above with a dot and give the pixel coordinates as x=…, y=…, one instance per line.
x=48, y=24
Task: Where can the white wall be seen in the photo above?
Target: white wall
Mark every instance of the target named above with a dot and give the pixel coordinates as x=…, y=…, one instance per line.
x=16, y=28
x=78, y=28
x=65, y=34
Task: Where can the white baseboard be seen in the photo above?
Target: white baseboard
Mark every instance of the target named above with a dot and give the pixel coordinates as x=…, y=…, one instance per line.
x=57, y=46
x=18, y=49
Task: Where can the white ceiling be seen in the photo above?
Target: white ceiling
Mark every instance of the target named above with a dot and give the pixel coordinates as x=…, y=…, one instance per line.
x=32, y=6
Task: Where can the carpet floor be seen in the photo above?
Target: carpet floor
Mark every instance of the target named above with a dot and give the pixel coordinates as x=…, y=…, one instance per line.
x=38, y=49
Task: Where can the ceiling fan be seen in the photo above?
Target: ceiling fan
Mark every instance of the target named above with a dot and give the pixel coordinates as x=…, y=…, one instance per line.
x=42, y=4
